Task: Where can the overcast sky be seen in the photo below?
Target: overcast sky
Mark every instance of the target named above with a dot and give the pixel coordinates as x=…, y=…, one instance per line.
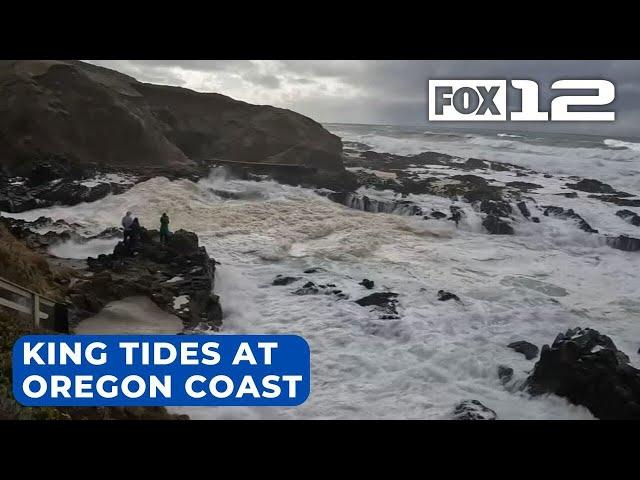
x=386, y=91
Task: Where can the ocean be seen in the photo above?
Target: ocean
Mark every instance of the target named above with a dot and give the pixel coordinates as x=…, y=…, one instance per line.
x=532, y=285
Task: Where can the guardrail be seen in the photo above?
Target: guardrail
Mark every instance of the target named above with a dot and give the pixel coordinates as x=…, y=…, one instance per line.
x=44, y=312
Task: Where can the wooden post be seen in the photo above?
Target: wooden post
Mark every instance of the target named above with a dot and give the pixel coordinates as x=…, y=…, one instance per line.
x=36, y=309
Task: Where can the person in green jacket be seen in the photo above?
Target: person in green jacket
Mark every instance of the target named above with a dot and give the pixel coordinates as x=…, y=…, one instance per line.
x=164, y=228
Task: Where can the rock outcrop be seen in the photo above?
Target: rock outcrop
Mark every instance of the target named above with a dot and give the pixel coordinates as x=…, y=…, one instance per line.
x=586, y=367
x=178, y=277
x=473, y=410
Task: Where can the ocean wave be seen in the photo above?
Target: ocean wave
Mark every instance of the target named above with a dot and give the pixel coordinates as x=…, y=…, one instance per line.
x=621, y=145
x=510, y=135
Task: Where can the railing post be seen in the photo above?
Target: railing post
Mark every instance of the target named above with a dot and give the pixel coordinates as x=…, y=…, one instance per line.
x=36, y=309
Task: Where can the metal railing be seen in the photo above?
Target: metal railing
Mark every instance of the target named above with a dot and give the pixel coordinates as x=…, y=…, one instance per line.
x=44, y=312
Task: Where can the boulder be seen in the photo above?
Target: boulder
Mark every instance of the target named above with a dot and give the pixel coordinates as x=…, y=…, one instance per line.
x=443, y=296
x=586, y=367
x=497, y=226
x=473, y=410
x=523, y=209
x=592, y=186
x=529, y=350
x=624, y=242
x=497, y=208
x=384, y=302
x=632, y=217
x=569, y=214
x=366, y=283
x=280, y=280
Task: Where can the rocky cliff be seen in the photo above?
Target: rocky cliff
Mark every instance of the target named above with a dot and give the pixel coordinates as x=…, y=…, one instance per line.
x=80, y=116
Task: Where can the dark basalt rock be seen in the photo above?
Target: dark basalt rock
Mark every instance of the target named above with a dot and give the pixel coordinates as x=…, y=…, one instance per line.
x=438, y=215
x=535, y=219
x=366, y=204
x=443, y=296
x=366, y=283
x=632, y=217
x=472, y=188
x=529, y=350
x=569, y=214
x=280, y=280
x=586, y=367
x=311, y=288
x=496, y=226
x=523, y=209
x=146, y=272
x=383, y=301
x=497, y=208
x=623, y=242
x=568, y=194
x=473, y=410
x=618, y=200
x=505, y=374
x=523, y=186
x=592, y=186
x=313, y=270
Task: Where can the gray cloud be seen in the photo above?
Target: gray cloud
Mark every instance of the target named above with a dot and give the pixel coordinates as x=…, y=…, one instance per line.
x=385, y=91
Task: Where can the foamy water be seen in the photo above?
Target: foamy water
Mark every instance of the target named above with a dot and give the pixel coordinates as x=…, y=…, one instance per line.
x=530, y=286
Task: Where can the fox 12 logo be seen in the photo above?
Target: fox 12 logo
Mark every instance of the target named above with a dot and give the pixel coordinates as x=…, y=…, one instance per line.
x=486, y=101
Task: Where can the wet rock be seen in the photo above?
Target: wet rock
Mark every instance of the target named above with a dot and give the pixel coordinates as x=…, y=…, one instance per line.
x=618, y=200
x=438, y=215
x=523, y=209
x=443, y=296
x=523, y=186
x=569, y=214
x=121, y=275
x=476, y=164
x=529, y=350
x=472, y=188
x=366, y=204
x=629, y=216
x=313, y=270
x=308, y=288
x=586, y=367
x=497, y=208
x=366, y=283
x=592, y=186
x=569, y=194
x=535, y=219
x=623, y=242
x=385, y=302
x=505, y=374
x=280, y=280
x=473, y=410
x=496, y=226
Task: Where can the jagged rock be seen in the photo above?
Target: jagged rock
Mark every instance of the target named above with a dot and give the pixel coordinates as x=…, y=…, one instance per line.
x=505, y=374
x=586, y=367
x=311, y=288
x=366, y=204
x=618, y=199
x=623, y=242
x=523, y=186
x=121, y=275
x=569, y=214
x=591, y=186
x=523, y=209
x=438, y=215
x=473, y=410
x=280, y=280
x=497, y=208
x=384, y=301
x=366, y=283
x=632, y=217
x=443, y=296
x=529, y=350
x=496, y=226
x=568, y=194
x=308, y=288
x=312, y=270
x=472, y=188
x=535, y=219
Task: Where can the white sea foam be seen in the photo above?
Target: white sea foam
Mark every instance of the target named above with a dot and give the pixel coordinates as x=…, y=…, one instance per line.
x=530, y=286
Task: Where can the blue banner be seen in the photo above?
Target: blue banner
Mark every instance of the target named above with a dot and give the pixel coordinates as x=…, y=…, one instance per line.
x=161, y=370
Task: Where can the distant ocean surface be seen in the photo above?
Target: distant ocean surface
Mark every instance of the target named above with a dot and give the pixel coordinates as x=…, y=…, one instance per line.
x=611, y=160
